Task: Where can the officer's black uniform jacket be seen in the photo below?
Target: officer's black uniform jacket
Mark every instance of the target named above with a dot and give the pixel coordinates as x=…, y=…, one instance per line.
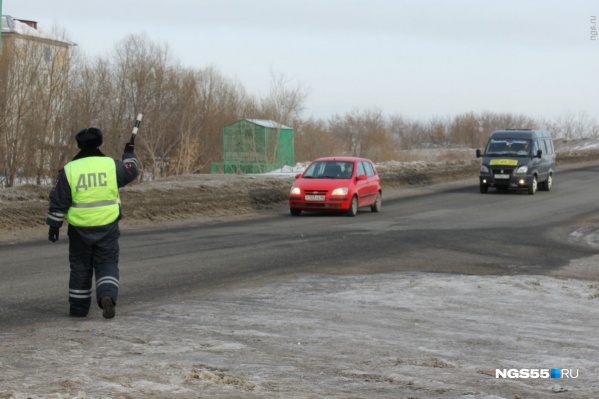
x=60, y=196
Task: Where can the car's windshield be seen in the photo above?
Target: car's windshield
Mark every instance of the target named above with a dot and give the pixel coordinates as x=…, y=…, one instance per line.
x=508, y=147
x=330, y=170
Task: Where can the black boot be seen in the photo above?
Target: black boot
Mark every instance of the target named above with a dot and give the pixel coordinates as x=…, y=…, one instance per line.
x=108, y=307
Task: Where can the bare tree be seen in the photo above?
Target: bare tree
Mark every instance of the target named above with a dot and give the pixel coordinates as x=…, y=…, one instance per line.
x=34, y=76
x=48, y=128
x=363, y=134
x=406, y=134
x=376, y=143
x=492, y=121
x=145, y=82
x=283, y=104
x=464, y=130
x=472, y=130
x=572, y=125
x=285, y=101
x=314, y=140
x=91, y=93
x=221, y=102
x=187, y=151
x=347, y=131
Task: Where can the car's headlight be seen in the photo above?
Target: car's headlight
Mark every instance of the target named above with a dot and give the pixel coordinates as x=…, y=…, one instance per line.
x=522, y=170
x=295, y=191
x=484, y=169
x=340, y=191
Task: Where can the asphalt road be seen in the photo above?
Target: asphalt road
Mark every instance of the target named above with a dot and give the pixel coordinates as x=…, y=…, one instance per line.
x=449, y=228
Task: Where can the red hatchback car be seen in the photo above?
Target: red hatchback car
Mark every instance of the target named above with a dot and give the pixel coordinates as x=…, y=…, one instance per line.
x=336, y=184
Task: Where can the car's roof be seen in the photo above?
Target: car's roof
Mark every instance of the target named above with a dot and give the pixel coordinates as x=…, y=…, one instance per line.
x=343, y=159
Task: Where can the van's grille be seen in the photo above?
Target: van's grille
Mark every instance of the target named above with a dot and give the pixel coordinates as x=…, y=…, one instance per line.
x=503, y=171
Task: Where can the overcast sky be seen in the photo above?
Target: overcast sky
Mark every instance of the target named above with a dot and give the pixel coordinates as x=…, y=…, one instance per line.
x=416, y=58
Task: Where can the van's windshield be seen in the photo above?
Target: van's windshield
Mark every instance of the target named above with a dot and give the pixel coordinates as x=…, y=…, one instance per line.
x=508, y=148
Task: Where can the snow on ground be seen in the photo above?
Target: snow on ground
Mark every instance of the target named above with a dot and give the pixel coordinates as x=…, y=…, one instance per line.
x=287, y=170
x=403, y=335
x=577, y=144
x=588, y=235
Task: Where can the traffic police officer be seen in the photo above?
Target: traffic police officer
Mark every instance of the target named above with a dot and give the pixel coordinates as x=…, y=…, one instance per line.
x=86, y=195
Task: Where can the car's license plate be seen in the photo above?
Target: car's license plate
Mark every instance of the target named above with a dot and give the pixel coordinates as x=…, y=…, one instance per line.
x=502, y=176
x=314, y=197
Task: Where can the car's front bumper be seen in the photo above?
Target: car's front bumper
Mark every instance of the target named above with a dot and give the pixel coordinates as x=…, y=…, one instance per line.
x=329, y=204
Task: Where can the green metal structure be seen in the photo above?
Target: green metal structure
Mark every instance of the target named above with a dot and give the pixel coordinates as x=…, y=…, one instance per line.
x=255, y=146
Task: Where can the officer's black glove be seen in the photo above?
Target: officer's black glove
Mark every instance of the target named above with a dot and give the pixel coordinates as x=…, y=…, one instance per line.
x=53, y=234
x=129, y=148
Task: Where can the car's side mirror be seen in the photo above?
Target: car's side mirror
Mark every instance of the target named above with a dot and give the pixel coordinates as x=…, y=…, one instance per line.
x=298, y=175
x=478, y=153
x=539, y=153
x=362, y=177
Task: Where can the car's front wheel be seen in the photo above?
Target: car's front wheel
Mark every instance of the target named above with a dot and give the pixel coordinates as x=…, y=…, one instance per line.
x=295, y=212
x=376, y=207
x=353, y=207
x=484, y=188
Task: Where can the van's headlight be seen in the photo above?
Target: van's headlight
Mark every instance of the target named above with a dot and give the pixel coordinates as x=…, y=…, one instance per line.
x=522, y=170
x=295, y=191
x=340, y=191
x=484, y=169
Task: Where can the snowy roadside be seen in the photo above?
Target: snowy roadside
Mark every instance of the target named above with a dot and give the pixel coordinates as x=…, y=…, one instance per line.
x=398, y=335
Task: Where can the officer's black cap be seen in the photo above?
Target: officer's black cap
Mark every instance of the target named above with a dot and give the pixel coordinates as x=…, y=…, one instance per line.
x=90, y=137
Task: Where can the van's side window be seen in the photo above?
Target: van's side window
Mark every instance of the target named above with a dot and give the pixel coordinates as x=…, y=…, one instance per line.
x=542, y=146
x=549, y=146
x=535, y=147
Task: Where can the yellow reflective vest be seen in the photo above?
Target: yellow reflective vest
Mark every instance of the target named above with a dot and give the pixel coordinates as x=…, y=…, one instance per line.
x=94, y=191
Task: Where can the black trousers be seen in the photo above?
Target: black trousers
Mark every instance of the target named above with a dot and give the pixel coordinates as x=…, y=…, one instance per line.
x=93, y=250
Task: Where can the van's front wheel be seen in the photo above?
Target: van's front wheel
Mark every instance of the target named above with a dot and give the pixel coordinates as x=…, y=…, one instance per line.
x=546, y=185
x=484, y=188
x=532, y=186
